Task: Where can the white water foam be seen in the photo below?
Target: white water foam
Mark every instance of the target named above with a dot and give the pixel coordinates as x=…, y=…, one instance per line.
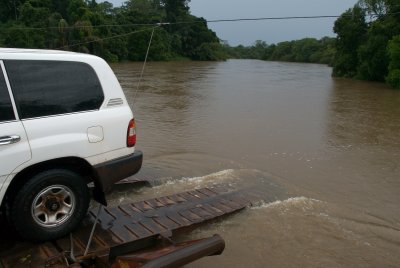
x=213, y=178
x=303, y=202
x=220, y=175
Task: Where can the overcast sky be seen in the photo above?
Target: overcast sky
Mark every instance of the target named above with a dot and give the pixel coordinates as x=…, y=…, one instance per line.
x=270, y=31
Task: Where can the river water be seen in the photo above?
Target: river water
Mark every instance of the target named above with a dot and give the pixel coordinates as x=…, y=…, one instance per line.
x=326, y=151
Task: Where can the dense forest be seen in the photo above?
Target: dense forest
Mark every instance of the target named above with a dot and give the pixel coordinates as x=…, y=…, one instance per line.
x=368, y=42
x=367, y=45
x=114, y=33
x=308, y=50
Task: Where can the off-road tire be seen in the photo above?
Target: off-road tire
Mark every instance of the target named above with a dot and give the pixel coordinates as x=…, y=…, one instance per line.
x=25, y=218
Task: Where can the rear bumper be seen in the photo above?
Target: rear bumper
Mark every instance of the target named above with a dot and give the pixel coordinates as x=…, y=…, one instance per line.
x=110, y=172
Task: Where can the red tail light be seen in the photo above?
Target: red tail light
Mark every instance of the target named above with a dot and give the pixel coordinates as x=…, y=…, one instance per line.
x=131, y=135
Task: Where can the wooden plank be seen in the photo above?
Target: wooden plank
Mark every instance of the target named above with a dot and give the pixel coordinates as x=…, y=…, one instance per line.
x=152, y=226
x=222, y=207
x=189, y=197
x=130, y=222
x=143, y=206
x=233, y=205
x=207, y=191
x=139, y=230
x=191, y=216
x=202, y=213
x=213, y=210
x=166, y=201
x=198, y=194
x=174, y=216
x=130, y=210
x=118, y=234
x=177, y=199
x=167, y=223
x=155, y=203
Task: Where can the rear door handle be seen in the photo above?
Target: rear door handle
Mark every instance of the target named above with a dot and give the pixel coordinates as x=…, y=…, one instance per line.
x=5, y=140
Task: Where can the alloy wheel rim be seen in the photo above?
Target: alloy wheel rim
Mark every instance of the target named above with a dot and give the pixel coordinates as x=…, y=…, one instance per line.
x=53, y=206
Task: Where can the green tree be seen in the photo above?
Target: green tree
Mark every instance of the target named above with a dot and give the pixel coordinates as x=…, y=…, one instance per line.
x=393, y=77
x=372, y=54
x=362, y=48
x=327, y=55
x=304, y=49
x=351, y=31
x=74, y=25
x=209, y=51
x=257, y=51
x=269, y=51
x=373, y=60
x=9, y=9
x=283, y=52
x=176, y=9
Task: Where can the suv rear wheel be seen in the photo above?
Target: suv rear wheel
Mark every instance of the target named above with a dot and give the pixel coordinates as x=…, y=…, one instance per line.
x=50, y=205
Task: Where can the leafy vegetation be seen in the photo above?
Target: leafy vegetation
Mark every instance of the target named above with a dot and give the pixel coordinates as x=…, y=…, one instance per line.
x=393, y=77
x=79, y=25
x=305, y=50
x=368, y=42
x=367, y=45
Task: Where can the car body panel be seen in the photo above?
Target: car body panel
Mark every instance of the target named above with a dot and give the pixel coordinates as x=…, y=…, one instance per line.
x=96, y=136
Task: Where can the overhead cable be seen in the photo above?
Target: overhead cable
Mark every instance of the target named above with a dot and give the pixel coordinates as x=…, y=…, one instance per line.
x=187, y=22
x=109, y=37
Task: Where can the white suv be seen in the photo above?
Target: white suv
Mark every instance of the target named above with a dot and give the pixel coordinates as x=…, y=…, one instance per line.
x=64, y=123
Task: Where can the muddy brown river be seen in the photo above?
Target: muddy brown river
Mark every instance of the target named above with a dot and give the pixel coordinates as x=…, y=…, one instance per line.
x=327, y=150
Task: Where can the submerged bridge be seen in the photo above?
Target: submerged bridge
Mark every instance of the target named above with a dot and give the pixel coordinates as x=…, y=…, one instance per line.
x=139, y=234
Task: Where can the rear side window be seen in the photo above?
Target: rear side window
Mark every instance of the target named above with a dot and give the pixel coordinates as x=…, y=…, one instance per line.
x=43, y=88
x=6, y=109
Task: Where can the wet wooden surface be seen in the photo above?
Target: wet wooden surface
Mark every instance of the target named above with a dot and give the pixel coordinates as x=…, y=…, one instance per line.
x=130, y=222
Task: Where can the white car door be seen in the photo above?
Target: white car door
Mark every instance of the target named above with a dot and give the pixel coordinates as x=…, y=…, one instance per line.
x=14, y=146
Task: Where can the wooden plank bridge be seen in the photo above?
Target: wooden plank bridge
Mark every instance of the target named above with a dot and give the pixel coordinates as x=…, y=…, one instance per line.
x=137, y=234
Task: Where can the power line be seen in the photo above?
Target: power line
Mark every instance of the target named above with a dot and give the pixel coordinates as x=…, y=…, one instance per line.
x=191, y=22
x=253, y=19
x=276, y=18
x=273, y=18
x=110, y=37
x=178, y=22
x=84, y=26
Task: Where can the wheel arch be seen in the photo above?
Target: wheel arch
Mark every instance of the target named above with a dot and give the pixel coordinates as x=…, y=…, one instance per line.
x=75, y=164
